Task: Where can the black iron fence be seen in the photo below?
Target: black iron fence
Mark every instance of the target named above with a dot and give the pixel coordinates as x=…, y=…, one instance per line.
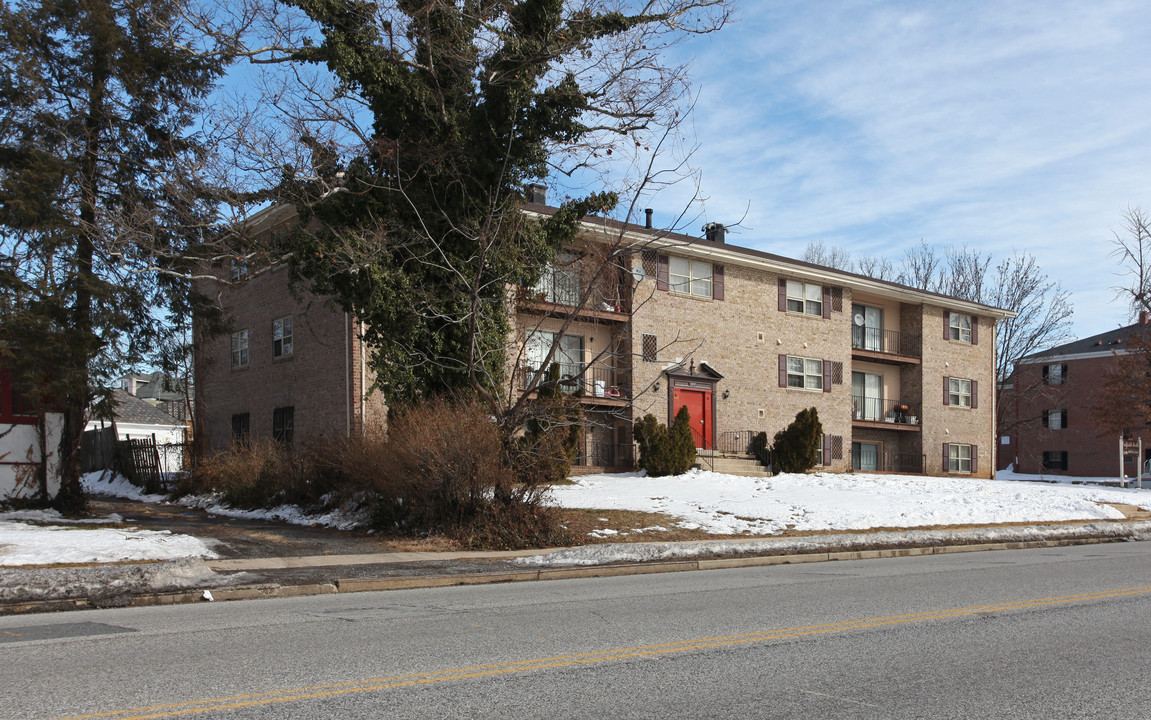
x=596, y=381
x=889, y=342
x=606, y=455
x=735, y=441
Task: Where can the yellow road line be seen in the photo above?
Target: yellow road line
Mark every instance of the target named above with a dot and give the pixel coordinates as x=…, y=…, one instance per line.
x=154, y=712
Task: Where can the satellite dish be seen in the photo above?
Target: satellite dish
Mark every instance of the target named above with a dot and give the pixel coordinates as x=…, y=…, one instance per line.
x=859, y=319
x=638, y=273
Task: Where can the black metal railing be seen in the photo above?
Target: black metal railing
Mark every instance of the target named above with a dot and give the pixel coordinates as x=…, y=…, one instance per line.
x=606, y=455
x=735, y=441
x=597, y=381
x=895, y=462
x=564, y=287
x=888, y=342
x=880, y=410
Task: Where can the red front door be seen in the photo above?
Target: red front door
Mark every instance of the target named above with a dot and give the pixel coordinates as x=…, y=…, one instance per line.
x=698, y=403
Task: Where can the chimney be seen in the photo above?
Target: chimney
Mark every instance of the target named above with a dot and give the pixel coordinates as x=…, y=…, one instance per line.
x=538, y=194
x=648, y=212
x=714, y=232
x=1143, y=319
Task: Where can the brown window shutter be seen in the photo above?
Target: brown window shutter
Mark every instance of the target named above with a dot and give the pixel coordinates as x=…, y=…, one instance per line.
x=782, y=295
x=1046, y=374
x=826, y=302
x=974, y=458
x=783, y=371
x=1046, y=418
x=946, y=456
x=661, y=282
x=826, y=450
x=974, y=394
x=717, y=282
x=974, y=330
x=946, y=324
x=946, y=391
x=1064, y=419
x=827, y=376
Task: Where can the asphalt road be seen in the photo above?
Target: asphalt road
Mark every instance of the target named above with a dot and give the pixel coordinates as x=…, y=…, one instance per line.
x=1058, y=633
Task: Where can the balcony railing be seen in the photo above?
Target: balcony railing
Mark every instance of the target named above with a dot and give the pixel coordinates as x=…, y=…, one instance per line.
x=890, y=462
x=597, y=381
x=887, y=342
x=735, y=441
x=564, y=287
x=606, y=455
x=879, y=410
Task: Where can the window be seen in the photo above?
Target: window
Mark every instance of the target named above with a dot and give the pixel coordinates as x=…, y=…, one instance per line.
x=240, y=349
x=1054, y=419
x=238, y=269
x=959, y=458
x=282, y=424
x=959, y=392
x=1054, y=374
x=689, y=276
x=1055, y=460
x=960, y=327
x=282, y=337
x=240, y=427
x=804, y=373
x=804, y=298
x=650, y=348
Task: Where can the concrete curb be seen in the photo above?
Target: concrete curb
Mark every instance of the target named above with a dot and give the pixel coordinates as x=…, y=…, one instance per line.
x=274, y=590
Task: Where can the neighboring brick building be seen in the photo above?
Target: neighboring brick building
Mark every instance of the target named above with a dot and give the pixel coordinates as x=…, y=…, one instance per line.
x=1049, y=404
x=903, y=379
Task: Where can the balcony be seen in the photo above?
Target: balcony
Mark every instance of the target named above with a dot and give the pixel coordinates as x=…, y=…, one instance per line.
x=891, y=462
x=884, y=414
x=560, y=293
x=599, y=384
x=890, y=346
x=614, y=456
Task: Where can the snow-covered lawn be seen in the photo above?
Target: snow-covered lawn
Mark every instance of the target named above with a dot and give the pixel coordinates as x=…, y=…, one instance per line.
x=735, y=505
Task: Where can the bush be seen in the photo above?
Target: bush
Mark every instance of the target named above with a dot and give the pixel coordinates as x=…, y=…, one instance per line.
x=760, y=449
x=796, y=447
x=260, y=474
x=542, y=447
x=664, y=452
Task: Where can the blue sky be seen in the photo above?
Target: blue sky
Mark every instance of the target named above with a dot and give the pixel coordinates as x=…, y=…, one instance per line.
x=872, y=124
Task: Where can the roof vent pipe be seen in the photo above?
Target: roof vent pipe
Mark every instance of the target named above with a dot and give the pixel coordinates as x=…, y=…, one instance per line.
x=647, y=223
x=714, y=232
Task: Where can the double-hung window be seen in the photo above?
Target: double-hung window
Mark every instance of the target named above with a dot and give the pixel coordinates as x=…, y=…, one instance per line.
x=690, y=277
x=959, y=391
x=805, y=373
x=282, y=337
x=240, y=349
x=805, y=298
x=961, y=327
x=959, y=459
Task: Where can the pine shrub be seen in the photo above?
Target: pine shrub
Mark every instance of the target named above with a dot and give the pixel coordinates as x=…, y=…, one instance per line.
x=796, y=447
x=662, y=451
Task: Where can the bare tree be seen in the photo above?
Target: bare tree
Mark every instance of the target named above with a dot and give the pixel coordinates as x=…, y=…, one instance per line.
x=920, y=267
x=1132, y=250
x=833, y=257
x=875, y=266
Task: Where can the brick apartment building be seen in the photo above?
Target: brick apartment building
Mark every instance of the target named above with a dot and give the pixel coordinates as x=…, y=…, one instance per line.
x=1049, y=403
x=903, y=379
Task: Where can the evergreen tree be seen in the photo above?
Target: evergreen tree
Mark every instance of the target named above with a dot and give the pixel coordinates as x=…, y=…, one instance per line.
x=99, y=203
x=796, y=447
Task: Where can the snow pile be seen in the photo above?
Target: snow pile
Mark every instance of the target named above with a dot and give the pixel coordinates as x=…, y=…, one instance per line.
x=648, y=552
x=24, y=544
x=109, y=584
x=735, y=505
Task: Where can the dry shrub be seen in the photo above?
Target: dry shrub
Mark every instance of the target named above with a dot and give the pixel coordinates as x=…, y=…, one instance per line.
x=260, y=474
x=443, y=469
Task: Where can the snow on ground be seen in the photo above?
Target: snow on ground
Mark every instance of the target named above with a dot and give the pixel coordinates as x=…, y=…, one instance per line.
x=735, y=505
x=25, y=544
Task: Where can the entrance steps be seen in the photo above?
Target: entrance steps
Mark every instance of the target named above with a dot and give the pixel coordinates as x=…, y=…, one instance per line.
x=730, y=463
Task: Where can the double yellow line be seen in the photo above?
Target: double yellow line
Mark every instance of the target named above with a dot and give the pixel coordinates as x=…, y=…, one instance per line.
x=559, y=661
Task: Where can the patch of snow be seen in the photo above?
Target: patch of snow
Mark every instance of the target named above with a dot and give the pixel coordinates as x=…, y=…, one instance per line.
x=108, y=584
x=646, y=552
x=109, y=484
x=24, y=544
x=735, y=505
